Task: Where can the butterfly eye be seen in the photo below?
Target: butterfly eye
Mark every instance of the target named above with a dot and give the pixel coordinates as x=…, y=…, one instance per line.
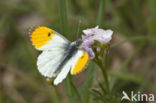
x=49, y=34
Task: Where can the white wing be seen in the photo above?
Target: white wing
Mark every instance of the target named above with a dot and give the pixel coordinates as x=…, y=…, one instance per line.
x=49, y=60
x=62, y=75
x=76, y=64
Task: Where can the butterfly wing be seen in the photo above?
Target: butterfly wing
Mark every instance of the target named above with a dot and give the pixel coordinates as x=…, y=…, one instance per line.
x=48, y=62
x=76, y=64
x=62, y=75
x=44, y=38
x=53, y=46
x=80, y=60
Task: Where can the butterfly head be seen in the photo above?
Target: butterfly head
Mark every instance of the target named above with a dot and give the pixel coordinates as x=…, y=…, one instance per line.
x=78, y=42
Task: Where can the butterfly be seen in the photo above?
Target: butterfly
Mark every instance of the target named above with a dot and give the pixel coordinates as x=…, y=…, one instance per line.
x=59, y=56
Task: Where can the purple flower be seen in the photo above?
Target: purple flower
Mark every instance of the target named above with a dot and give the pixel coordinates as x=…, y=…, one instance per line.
x=90, y=52
x=103, y=36
x=98, y=49
x=90, y=31
x=92, y=34
x=86, y=44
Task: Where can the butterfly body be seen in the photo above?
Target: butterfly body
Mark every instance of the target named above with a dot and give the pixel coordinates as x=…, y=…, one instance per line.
x=70, y=52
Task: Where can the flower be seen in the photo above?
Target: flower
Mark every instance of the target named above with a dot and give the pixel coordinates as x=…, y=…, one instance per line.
x=92, y=34
x=98, y=49
x=103, y=36
x=86, y=44
x=90, y=31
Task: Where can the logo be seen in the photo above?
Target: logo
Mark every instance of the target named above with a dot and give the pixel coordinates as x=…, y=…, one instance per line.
x=137, y=96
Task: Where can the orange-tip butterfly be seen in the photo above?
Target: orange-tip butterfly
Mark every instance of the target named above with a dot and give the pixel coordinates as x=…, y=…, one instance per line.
x=59, y=56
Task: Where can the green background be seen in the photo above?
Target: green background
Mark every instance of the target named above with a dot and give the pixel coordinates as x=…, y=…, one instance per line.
x=131, y=61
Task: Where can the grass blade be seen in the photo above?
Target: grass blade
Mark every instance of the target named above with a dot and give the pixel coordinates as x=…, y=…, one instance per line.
x=63, y=17
x=100, y=13
x=84, y=90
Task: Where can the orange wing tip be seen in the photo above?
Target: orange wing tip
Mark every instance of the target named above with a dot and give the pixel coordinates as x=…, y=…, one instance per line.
x=74, y=73
x=40, y=36
x=81, y=64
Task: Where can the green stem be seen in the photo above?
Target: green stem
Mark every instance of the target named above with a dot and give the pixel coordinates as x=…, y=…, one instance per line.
x=103, y=66
x=57, y=94
x=105, y=75
x=68, y=88
x=104, y=72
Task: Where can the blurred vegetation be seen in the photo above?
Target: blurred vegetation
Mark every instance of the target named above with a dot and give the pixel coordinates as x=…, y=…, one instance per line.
x=131, y=61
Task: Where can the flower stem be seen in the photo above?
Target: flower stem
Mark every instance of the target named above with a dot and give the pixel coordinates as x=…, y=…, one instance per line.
x=103, y=67
x=105, y=76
